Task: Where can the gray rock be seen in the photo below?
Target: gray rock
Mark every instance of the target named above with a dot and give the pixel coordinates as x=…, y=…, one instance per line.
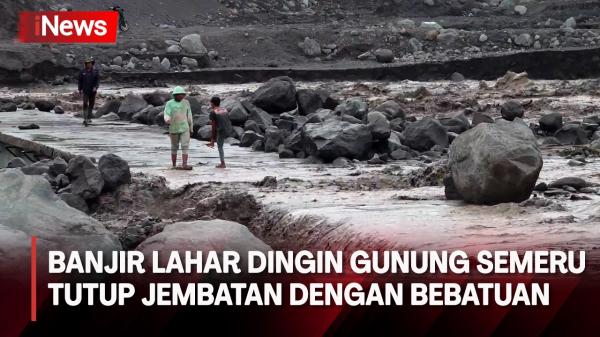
x=571, y=134
x=29, y=207
x=112, y=105
x=192, y=44
x=165, y=64
x=236, y=111
x=16, y=163
x=383, y=55
x=273, y=138
x=333, y=138
x=189, y=62
x=6, y=107
x=44, y=105
x=495, y=163
x=354, y=107
x=551, y=122
x=58, y=110
x=391, y=110
x=174, y=49
x=575, y=182
x=57, y=167
x=156, y=98
x=131, y=105
x=311, y=47
x=205, y=236
x=249, y=137
x=511, y=110
x=379, y=125
x=479, y=117
x=456, y=124
x=524, y=40
x=258, y=115
x=425, y=133
x=276, y=96
x=86, y=179
x=309, y=101
x=115, y=171
x=75, y=201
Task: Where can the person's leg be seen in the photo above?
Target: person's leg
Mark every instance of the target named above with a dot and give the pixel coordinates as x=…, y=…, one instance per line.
x=185, y=148
x=85, y=107
x=91, y=103
x=174, y=148
x=220, y=142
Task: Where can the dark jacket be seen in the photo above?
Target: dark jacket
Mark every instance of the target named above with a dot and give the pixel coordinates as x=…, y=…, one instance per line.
x=89, y=80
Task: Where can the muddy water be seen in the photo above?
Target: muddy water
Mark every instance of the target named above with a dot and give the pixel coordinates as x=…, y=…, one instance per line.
x=415, y=218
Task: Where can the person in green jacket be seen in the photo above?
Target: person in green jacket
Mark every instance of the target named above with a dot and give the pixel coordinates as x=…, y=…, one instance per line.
x=178, y=115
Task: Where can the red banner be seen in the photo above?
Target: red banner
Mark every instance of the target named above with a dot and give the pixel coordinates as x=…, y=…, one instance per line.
x=68, y=27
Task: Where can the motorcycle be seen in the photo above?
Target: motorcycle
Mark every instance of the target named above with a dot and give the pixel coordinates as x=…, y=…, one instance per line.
x=122, y=22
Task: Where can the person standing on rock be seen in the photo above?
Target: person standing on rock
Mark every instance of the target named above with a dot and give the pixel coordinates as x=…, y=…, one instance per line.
x=89, y=80
x=178, y=115
x=221, y=127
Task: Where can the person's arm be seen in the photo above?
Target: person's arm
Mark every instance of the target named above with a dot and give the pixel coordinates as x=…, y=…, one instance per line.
x=96, y=80
x=80, y=85
x=190, y=118
x=167, y=113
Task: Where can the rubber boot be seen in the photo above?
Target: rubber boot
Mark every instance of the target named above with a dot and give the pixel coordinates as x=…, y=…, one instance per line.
x=174, y=159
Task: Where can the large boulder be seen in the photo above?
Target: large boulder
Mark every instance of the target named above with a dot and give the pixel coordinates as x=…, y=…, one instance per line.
x=112, y=105
x=333, y=138
x=86, y=179
x=309, y=101
x=551, y=122
x=115, y=171
x=10, y=106
x=131, y=105
x=44, y=105
x=157, y=98
x=457, y=124
x=354, y=107
x=379, y=125
x=495, y=163
x=236, y=111
x=205, y=236
x=391, y=109
x=425, y=133
x=250, y=137
x=571, y=134
x=29, y=207
x=511, y=110
x=258, y=115
x=192, y=44
x=273, y=138
x=276, y=96
x=383, y=55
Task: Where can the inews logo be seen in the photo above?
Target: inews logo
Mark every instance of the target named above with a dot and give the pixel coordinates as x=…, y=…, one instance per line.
x=68, y=27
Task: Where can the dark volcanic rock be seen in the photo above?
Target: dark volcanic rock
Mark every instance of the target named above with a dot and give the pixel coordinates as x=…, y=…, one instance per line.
x=236, y=111
x=575, y=182
x=379, y=125
x=249, y=137
x=276, y=96
x=551, y=122
x=111, y=105
x=115, y=171
x=511, y=110
x=8, y=107
x=354, y=107
x=479, y=117
x=157, y=98
x=571, y=134
x=44, y=105
x=424, y=134
x=391, y=110
x=495, y=163
x=309, y=101
x=130, y=106
x=457, y=124
x=261, y=117
x=334, y=138
x=86, y=179
x=75, y=201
